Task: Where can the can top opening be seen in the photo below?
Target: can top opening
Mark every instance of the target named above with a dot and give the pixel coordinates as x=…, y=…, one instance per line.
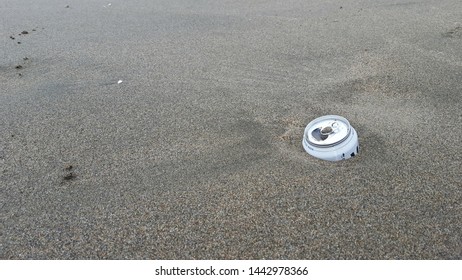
x=327, y=131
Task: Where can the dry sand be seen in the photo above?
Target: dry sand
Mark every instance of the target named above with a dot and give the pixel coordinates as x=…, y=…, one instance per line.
x=197, y=153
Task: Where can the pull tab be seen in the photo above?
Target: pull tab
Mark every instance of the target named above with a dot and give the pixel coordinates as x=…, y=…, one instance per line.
x=327, y=130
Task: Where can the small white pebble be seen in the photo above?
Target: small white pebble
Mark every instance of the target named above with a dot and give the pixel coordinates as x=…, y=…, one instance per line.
x=119, y=82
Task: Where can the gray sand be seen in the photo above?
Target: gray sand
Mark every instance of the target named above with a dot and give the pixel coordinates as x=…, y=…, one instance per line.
x=197, y=154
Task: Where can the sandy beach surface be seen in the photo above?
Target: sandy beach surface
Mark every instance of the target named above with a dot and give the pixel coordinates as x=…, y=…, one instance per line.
x=172, y=129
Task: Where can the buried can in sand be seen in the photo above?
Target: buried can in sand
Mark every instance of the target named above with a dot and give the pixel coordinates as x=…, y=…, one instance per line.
x=331, y=138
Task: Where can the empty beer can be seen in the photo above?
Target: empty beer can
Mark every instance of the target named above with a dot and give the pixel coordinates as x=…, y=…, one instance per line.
x=331, y=138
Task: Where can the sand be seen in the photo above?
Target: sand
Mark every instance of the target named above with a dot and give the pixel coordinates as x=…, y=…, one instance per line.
x=172, y=129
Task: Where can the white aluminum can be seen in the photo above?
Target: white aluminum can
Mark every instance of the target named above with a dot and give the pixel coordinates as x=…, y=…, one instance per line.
x=331, y=138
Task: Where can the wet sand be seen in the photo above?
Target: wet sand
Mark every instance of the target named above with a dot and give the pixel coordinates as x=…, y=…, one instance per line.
x=197, y=153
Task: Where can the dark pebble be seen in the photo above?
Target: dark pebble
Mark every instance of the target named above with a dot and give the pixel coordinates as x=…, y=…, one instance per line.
x=69, y=176
x=12, y=38
x=19, y=67
x=24, y=32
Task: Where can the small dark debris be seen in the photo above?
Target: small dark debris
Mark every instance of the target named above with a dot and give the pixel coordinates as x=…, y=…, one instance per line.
x=12, y=135
x=26, y=58
x=454, y=33
x=12, y=38
x=19, y=74
x=341, y=7
x=69, y=167
x=18, y=67
x=67, y=6
x=24, y=32
x=69, y=176
x=19, y=42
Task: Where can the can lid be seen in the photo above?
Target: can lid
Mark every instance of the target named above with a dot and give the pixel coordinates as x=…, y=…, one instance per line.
x=327, y=131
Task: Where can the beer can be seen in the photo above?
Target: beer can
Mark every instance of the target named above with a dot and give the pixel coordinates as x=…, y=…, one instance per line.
x=331, y=138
